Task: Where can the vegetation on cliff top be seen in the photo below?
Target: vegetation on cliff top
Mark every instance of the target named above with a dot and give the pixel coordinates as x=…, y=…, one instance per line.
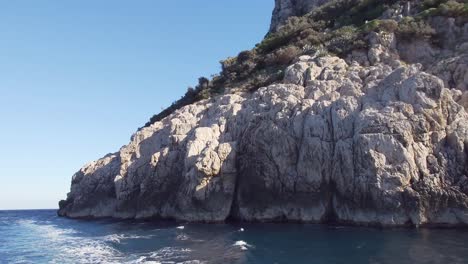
x=337, y=27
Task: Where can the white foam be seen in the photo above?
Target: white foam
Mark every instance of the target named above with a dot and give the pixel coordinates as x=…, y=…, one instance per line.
x=49, y=231
x=64, y=246
x=118, y=238
x=182, y=237
x=88, y=252
x=67, y=245
x=243, y=245
x=181, y=227
x=143, y=260
x=240, y=243
x=166, y=255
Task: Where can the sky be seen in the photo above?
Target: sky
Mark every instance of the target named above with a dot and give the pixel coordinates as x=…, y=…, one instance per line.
x=77, y=78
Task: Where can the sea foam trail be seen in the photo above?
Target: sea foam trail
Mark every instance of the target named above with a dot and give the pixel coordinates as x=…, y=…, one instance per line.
x=64, y=246
x=67, y=245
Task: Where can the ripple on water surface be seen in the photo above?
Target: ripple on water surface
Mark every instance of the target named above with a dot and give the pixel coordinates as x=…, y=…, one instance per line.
x=41, y=237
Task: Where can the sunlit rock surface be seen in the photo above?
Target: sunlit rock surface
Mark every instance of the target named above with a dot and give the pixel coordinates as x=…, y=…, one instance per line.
x=378, y=138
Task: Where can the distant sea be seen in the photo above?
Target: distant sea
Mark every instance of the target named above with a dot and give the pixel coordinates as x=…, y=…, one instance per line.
x=40, y=236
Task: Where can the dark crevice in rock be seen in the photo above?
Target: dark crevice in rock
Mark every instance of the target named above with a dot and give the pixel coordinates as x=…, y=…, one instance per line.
x=330, y=215
x=234, y=209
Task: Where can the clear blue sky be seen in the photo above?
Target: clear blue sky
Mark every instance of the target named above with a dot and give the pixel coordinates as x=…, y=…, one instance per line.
x=77, y=78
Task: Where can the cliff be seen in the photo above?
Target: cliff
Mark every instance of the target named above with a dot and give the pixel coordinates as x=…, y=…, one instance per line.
x=288, y=8
x=367, y=125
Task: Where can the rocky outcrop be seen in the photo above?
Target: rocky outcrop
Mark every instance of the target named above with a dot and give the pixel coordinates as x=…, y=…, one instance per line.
x=288, y=8
x=367, y=140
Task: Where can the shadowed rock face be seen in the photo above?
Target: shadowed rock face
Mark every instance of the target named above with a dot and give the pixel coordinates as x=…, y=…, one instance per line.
x=375, y=142
x=287, y=8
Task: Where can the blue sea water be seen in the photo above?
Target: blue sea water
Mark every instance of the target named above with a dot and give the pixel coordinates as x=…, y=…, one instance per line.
x=42, y=237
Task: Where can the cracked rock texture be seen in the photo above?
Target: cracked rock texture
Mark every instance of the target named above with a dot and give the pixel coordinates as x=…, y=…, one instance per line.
x=366, y=140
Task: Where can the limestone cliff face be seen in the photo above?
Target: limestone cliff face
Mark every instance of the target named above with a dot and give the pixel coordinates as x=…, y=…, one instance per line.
x=369, y=139
x=287, y=8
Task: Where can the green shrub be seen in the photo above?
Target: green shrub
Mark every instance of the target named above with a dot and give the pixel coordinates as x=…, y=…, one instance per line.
x=285, y=34
x=426, y=4
x=410, y=28
x=448, y=8
x=264, y=78
x=363, y=11
x=453, y=9
x=284, y=56
x=386, y=25
x=332, y=10
x=239, y=67
x=245, y=56
x=350, y=12
x=273, y=42
x=344, y=40
x=309, y=37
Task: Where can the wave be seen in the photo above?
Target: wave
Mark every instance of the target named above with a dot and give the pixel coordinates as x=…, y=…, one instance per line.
x=168, y=255
x=67, y=245
x=118, y=238
x=63, y=245
x=46, y=228
x=42, y=241
x=242, y=245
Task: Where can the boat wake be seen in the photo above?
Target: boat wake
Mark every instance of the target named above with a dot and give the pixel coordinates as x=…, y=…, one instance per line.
x=65, y=246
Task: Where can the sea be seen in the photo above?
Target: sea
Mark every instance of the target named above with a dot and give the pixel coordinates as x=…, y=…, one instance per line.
x=40, y=236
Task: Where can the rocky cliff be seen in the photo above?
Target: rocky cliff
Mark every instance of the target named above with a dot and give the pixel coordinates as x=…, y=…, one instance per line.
x=288, y=8
x=376, y=136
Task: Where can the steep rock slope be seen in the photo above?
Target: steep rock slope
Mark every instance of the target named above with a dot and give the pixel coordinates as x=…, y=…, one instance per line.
x=366, y=139
x=288, y=8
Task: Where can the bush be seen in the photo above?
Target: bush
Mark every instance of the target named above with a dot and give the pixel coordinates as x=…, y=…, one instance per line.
x=284, y=56
x=245, y=56
x=350, y=12
x=309, y=37
x=344, y=40
x=332, y=10
x=273, y=42
x=426, y=4
x=453, y=9
x=264, y=78
x=285, y=34
x=409, y=28
x=446, y=8
x=239, y=67
x=363, y=11
x=386, y=25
